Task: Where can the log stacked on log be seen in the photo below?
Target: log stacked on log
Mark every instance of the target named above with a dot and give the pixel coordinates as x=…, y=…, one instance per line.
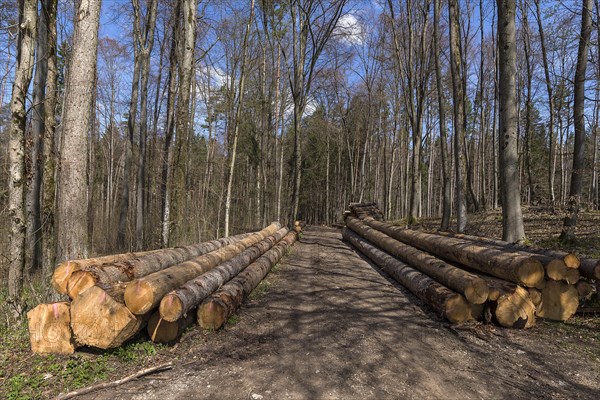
x=366, y=210
x=520, y=282
x=114, y=297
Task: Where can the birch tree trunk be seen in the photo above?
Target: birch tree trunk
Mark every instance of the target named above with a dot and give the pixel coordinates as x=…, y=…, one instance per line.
x=72, y=217
x=16, y=148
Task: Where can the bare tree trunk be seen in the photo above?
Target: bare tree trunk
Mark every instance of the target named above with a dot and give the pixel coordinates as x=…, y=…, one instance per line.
x=33, y=258
x=236, y=122
x=446, y=202
x=512, y=218
x=49, y=153
x=16, y=148
x=549, y=90
x=146, y=43
x=72, y=218
x=570, y=221
x=528, y=101
x=183, y=123
x=457, y=90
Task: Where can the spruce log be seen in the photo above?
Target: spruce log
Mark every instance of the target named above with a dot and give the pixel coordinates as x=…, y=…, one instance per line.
x=161, y=331
x=216, y=310
x=180, y=301
x=585, y=289
x=559, y=301
x=510, y=304
x=144, y=294
x=50, y=329
x=127, y=270
x=510, y=266
x=473, y=288
x=572, y=276
x=99, y=317
x=571, y=260
x=590, y=269
x=453, y=306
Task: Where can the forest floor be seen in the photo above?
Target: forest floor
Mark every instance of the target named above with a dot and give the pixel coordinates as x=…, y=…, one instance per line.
x=328, y=324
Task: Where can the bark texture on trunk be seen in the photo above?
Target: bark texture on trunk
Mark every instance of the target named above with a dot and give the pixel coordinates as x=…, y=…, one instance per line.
x=72, y=216
x=512, y=217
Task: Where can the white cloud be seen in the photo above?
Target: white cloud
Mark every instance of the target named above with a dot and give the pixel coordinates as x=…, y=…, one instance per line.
x=350, y=30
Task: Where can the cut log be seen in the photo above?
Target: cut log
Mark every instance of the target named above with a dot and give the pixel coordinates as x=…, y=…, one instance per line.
x=590, y=269
x=161, y=331
x=513, y=267
x=63, y=271
x=559, y=301
x=572, y=276
x=556, y=270
x=473, y=288
x=585, y=289
x=182, y=300
x=571, y=260
x=510, y=304
x=216, y=310
x=99, y=318
x=453, y=306
x=50, y=329
x=144, y=294
x=127, y=270
x=536, y=298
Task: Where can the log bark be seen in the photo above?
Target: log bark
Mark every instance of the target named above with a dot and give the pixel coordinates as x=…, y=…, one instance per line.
x=510, y=304
x=214, y=311
x=133, y=268
x=63, y=271
x=161, y=331
x=473, y=288
x=50, y=329
x=590, y=269
x=142, y=295
x=559, y=301
x=99, y=317
x=453, y=306
x=571, y=260
x=514, y=267
x=181, y=300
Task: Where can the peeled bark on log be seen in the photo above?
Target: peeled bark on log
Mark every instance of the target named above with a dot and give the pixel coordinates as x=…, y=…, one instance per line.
x=590, y=269
x=215, y=310
x=514, y=267
x=473, y=288
x=453, y=306
x=161, y=331
x=99, y=317
x=180, y=301
x=144, y=294
x=63, y=271
x=571, y=260
x=127, y=270
x=510, y=304
x=559, y=301
x=50, y=329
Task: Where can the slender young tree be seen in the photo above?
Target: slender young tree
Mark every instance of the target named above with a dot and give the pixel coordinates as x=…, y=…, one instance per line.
x=446, y=197
x=236, y=119
x=570, y=221
x=16, y=148
x=72, y=216
x=512, y=218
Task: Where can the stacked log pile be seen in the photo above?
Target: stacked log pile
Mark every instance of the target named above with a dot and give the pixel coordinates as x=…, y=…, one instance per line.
x=515, y=284
x=114, y=297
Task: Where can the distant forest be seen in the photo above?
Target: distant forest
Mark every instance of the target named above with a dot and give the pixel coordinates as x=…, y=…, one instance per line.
x=129, y=125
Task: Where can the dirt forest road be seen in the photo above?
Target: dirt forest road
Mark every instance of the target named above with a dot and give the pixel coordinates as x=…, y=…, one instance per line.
x=333, y=327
